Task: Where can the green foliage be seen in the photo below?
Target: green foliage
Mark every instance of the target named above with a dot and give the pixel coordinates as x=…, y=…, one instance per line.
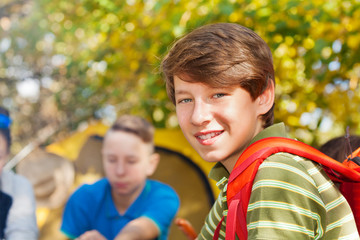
x=86, y=55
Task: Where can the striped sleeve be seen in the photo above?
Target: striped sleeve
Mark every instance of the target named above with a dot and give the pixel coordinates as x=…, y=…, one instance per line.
x=285, y=202
x=215, y=215
x=292, y=198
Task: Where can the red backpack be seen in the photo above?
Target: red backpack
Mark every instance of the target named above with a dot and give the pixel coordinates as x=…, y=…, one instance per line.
x=347, y=174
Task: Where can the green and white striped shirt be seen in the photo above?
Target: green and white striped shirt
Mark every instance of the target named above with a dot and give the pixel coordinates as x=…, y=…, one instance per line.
x=292, y=198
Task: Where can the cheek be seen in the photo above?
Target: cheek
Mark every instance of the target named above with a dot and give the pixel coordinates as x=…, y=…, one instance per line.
x=182, y=117
x=137, y=172
x=108, y=169
x=238, y=110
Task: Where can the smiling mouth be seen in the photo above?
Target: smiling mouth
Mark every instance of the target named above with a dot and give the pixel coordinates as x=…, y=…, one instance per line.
x=208, y=135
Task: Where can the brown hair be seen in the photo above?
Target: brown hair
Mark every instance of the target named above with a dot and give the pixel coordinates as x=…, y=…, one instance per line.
x=135, y=125
x=221, y=55
x=339, y=148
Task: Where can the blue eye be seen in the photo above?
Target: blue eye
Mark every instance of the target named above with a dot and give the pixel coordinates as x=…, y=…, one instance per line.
x=219, y=95
x=111, y=160
x=132, y=160
x=186, y=100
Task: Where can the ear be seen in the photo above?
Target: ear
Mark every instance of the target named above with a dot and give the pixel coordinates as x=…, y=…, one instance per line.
x=154, y=160
x=266, y=99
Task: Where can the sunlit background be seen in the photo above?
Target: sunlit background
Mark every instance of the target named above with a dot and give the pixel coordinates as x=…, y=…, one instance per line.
x=65, y=65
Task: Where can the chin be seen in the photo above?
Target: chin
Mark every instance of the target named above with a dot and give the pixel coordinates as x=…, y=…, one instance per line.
x=211, y=157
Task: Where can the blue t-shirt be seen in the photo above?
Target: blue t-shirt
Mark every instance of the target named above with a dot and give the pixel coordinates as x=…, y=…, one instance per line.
x=91, y=208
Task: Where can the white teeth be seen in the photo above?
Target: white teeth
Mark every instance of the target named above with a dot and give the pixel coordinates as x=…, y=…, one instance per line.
x=208, y=136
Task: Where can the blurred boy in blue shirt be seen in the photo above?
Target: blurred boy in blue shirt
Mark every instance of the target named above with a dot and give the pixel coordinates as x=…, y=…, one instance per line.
x=125, y=204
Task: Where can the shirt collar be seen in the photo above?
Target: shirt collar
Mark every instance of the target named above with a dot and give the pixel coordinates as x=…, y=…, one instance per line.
x=111, y=211
x=218, y=172
x=276, y=130
x=136, y=208
x=133, y=210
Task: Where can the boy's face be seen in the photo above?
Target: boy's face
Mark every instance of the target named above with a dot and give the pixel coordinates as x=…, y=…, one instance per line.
x=127, y=161
x=218, y=122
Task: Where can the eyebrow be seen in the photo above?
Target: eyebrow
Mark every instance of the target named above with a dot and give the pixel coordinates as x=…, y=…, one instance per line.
x=180, y=92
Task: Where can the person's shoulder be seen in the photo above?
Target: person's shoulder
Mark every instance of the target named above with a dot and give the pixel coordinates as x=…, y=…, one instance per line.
x=160, y=187
x=158, y=184
x=93, y=185
x=160, y=194
x=16, y=180
x=290, y=159
x=287, y=167
x=10, y=175
x=92, y=189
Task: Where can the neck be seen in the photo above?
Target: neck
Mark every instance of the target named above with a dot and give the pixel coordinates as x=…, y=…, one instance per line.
x=123, y=201
x=231, y=161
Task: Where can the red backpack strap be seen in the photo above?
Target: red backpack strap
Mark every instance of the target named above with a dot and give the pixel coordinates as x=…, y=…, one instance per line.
x=238, y=204
x=242, y=177
x=239, y=188
x=351, y=190
x=217, y=230
x=349, y=161
x=280, y=144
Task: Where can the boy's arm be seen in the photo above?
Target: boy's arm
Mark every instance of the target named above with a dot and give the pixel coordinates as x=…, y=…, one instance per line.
x=91, y=235
x=141, y=228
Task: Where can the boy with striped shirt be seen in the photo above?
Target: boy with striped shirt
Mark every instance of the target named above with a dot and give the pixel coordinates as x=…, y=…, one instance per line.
x=221, y=79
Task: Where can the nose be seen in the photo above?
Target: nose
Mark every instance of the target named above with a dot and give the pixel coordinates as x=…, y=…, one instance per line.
x=201, y=113
x=120, y=168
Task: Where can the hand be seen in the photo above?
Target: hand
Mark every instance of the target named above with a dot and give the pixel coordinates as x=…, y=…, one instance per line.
x=186, y=227
x=91, y=235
